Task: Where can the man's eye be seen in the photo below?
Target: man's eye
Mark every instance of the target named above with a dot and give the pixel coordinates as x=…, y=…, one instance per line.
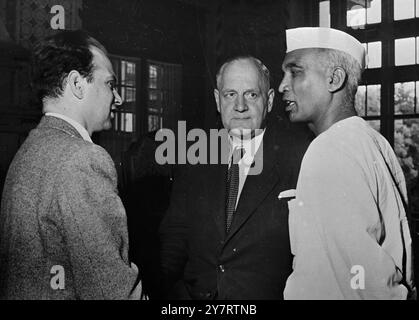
x=251, y=95
x=295, y=72
x=111, y=85
x=229, y=94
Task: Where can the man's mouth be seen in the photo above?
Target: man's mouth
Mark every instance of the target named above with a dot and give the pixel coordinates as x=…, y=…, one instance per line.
x=290, y=105
x=241, y=119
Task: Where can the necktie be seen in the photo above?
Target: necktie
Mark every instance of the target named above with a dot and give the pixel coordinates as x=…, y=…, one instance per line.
x=232, y=186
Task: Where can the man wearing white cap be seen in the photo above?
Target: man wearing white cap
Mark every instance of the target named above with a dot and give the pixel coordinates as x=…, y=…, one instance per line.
x=349, y=232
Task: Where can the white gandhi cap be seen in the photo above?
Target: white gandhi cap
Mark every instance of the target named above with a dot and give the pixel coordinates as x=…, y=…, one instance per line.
x=327, y=38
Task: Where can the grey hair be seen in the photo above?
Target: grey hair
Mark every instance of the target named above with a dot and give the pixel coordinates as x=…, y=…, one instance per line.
x=263, y=71
x=336, y=58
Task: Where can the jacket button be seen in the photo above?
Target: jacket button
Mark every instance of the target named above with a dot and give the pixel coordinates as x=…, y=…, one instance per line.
x=221, y=268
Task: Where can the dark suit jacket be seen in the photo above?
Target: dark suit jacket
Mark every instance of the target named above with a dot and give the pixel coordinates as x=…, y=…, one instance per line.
x=254, y=260
x=60, y=207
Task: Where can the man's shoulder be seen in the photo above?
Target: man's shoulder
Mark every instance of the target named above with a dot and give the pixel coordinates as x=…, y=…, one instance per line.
x=83, y=153
x=51, y=144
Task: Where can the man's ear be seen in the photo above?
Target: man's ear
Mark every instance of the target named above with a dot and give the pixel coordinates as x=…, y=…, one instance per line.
x=337, y=79
x=217, y=99
x=271, y=96
x=76, y=83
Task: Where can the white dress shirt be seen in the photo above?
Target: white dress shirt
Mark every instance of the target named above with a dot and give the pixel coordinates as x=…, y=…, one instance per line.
x=80, y=129
x=251, y=146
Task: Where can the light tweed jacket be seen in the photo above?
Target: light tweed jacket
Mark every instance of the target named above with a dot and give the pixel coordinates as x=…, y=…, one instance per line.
x=60, y=207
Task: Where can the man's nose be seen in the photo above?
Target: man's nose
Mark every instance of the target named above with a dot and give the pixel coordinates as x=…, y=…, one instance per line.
x=241, y=104
x=117, y=98
x=283, y=86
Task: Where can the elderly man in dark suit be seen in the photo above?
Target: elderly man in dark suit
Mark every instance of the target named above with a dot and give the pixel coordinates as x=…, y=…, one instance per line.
x=225, y=235
x=63, y=229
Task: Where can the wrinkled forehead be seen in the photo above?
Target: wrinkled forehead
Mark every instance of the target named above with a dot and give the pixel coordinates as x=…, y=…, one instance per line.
x=241, y=71
x=303, y=58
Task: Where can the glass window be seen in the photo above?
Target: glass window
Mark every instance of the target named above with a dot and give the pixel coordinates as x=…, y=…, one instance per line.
x=155, y=122
x=374, y=11
x=406, y=147
x=360, y=100
x=368, y=100
x=373, y=100
x=417, y=49
x=362, y=12
x=126, y=72
x=404, y=9
x=375, y=124
x=124, y=121
x=417, y=93
x=404, y=51
x=324, y=14
x=164, y=95
x=404, y=98
x=128, y=94
x=155, y=105
x=152, y=77
x=127, y=122
x=373, y=50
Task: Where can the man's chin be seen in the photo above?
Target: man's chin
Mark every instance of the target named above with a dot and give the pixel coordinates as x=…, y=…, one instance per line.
x=107, y=125
x=293, y=116
x=245, y=133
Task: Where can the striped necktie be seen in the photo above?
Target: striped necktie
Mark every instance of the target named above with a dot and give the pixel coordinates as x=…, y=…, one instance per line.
x=232, y=186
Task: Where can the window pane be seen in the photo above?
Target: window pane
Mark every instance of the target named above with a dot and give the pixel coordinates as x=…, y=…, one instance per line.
x=375, y=124
x=324, y=14
x=404, y=98
x=404, y=9
x=406, y=147
x=127, y=73
x=130, y=94
x=373, y=100
x=417, y=8
x=355, y=14
x=404, y=51
x=127, y=122
x=154, y=122
x=374, y=12
x=360, y=101
x=115, y=123
x=417, y=95
x=417, y=49
x=152, y=95
x=152, y=77
x=374, y=54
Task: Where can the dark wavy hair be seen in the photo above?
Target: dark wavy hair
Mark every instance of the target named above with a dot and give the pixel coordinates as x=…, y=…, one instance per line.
x=58, y=55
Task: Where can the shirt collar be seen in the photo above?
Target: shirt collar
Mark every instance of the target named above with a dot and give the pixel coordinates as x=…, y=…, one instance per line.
x=80, y=129
x=250, y=146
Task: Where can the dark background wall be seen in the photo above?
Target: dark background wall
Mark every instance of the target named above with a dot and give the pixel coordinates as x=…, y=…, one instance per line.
x=167, y=31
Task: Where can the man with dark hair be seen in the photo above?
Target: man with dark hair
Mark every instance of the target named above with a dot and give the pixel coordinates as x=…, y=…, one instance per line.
x=225, y=235
x=63, y=228
x=348, y=225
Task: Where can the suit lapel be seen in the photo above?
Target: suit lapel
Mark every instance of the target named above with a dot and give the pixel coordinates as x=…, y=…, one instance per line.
x=258, y=186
